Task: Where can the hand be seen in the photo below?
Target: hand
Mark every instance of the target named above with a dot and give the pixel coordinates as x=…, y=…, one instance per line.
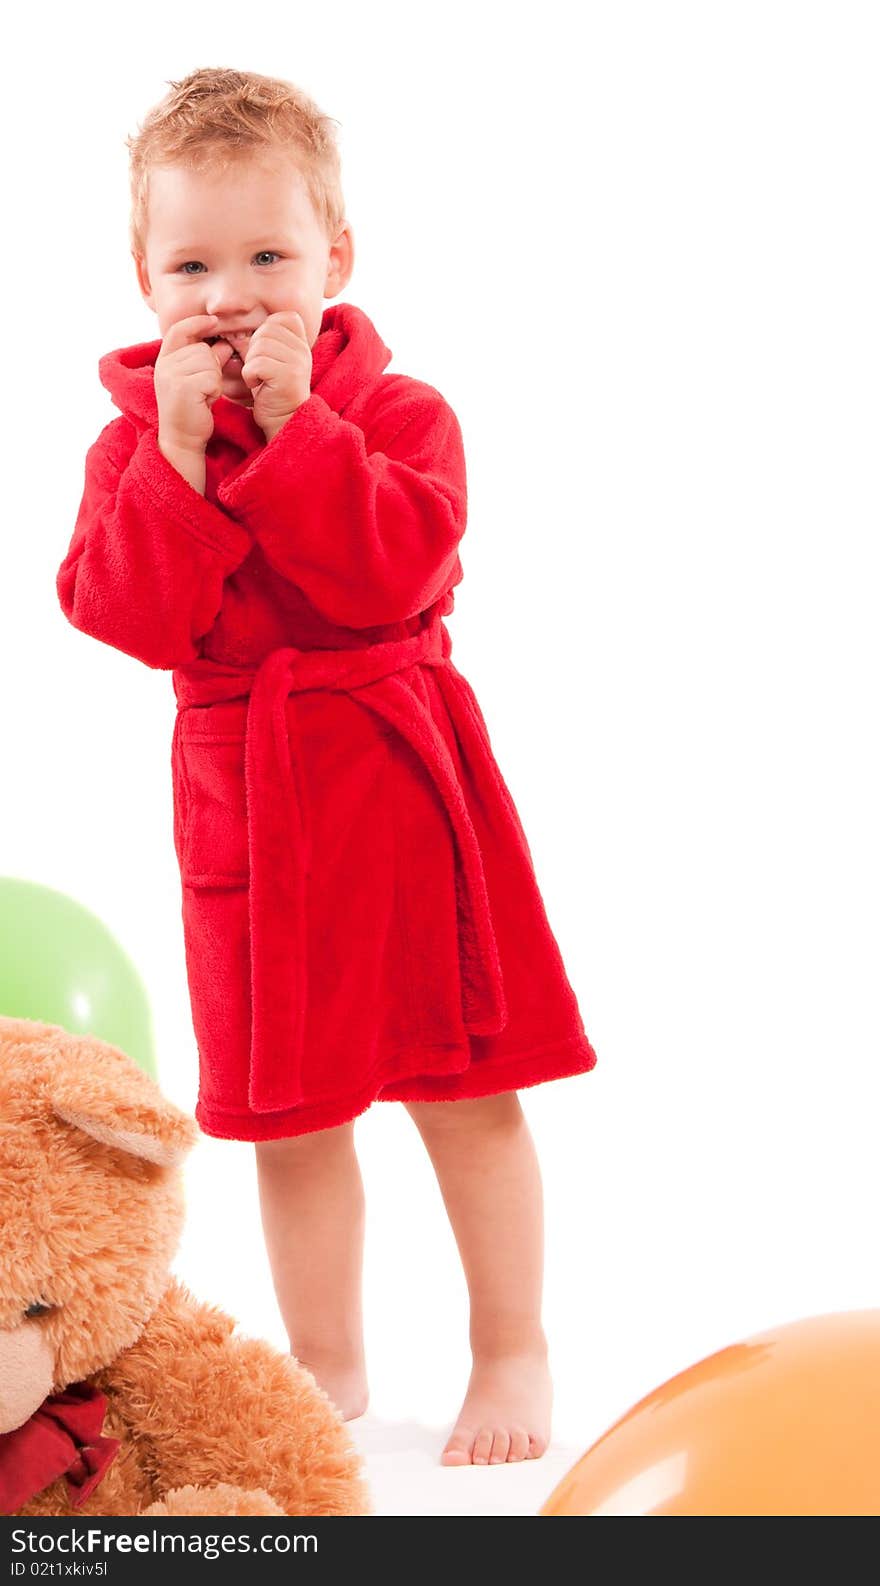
x=278, y=369
x=188, y=379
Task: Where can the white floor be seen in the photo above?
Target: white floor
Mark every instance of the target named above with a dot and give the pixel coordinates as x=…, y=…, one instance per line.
x=405, y=1476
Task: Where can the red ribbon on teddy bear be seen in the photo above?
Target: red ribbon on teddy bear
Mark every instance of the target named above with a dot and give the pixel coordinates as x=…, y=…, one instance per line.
x=61, y=1438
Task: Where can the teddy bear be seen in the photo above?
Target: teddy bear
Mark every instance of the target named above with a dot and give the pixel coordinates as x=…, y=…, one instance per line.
x=120, y=1392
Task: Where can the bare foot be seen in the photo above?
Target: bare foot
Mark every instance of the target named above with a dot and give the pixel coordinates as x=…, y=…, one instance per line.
x=506, y=1412
x=346, y=1386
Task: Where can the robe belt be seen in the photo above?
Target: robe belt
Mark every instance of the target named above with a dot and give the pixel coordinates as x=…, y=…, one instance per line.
x=277, y=847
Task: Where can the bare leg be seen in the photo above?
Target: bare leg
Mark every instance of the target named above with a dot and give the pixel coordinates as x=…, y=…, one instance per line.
x=487, y=1169
x=312, y=1205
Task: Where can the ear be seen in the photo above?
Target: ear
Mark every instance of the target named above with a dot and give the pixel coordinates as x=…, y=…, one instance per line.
x=99, y=1090
x=340, y=261
x=143, y=278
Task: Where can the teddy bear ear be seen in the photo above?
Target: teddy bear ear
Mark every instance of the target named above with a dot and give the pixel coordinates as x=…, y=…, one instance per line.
x=101, y=1091
x=153, y=1136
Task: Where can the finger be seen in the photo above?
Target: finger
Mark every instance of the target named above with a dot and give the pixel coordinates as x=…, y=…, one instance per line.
x=283, y=315
x=280, y=355
x=192, y=355
x=186, y=331
x=254, y=371
x=285, y=319
x=264, y=367
x=279, y=339
x=222, y=351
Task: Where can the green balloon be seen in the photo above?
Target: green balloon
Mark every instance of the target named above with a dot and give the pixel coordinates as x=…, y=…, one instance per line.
x=59, y=964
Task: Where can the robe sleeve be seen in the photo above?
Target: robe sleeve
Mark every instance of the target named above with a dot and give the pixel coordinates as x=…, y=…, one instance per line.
x=368, y=532
x=149, y=554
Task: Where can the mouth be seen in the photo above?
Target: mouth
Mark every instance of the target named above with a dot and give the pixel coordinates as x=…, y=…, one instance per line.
x=238, y=341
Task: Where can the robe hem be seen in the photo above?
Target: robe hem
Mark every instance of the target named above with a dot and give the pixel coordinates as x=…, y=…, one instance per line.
x=561, y=1060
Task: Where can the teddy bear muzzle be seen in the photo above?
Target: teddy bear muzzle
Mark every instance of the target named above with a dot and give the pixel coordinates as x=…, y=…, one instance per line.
x=27, y=1366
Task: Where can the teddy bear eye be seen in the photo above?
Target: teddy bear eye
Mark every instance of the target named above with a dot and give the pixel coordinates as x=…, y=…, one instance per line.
x=37, y=1309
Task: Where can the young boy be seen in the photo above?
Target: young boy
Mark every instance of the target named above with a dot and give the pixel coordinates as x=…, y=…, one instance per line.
x=276, y=520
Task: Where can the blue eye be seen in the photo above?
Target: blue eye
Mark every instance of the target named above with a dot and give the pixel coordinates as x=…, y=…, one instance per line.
x=263, y=254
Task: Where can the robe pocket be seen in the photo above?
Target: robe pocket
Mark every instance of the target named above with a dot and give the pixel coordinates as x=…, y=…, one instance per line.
x=212, y=822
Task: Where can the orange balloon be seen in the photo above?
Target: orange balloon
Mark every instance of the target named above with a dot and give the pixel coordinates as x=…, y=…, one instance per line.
x=787, y=1423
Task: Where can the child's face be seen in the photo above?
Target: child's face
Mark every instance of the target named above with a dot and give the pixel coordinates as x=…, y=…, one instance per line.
x=243, y=244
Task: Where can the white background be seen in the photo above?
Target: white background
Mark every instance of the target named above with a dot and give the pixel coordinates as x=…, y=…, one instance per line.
x=636, y=247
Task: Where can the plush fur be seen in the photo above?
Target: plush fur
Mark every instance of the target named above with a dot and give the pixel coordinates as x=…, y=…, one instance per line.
x=92, y=1198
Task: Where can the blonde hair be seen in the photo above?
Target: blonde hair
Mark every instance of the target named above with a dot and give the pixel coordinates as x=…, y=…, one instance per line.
x=217, y=117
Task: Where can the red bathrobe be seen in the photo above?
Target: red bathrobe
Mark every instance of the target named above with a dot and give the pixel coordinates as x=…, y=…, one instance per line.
x=361, y=915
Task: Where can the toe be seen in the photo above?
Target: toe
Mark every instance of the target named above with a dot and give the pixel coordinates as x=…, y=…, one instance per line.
x=500, y=1446
x=458, y=1449
x=537, y=1445
x=483, y=1445
x=519, y=1444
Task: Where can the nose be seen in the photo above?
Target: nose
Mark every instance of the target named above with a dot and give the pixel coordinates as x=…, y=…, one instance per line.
x=228, y=297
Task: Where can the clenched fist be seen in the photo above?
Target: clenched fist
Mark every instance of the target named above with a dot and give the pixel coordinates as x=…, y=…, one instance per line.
x=277, y=369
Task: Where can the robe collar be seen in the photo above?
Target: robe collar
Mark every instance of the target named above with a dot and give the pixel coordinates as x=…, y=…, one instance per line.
x=348, y=352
